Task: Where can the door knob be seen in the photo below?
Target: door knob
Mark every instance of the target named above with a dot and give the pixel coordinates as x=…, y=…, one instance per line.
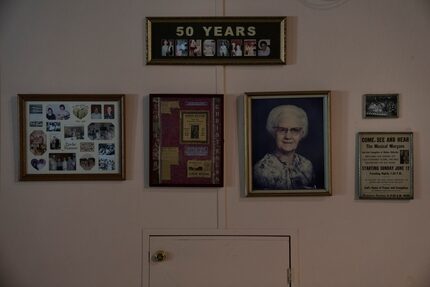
x=159, y=256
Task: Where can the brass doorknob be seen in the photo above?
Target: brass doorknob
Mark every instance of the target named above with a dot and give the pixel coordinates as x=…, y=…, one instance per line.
x=159, y=256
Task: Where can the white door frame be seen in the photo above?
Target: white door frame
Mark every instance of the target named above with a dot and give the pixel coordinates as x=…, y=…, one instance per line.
x=291, y=233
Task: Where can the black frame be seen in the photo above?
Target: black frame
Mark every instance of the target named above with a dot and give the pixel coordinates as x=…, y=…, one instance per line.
x=169, y=40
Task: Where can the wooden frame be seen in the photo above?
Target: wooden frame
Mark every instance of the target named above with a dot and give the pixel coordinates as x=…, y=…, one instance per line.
x=380, y=106
x=71, y=137
x=287, y=143
x=215, y=40
x=385, y=165
x=187, y=140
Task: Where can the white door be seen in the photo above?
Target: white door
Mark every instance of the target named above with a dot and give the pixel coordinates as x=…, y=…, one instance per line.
x=219, y=261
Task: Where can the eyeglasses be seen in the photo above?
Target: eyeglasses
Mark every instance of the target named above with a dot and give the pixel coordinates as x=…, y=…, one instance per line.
x=283, y=131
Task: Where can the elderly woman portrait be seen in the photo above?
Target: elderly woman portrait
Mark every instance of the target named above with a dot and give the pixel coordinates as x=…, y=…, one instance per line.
x=283, y=167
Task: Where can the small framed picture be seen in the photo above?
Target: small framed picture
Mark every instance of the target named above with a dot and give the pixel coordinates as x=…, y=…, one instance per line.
x=187, y=140
x=385, y=165
x=71, y=137
x=381, y=106
x=287, y=143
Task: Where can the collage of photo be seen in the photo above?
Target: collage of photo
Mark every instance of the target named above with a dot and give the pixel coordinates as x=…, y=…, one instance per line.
x=72, y=137
x=215, y=48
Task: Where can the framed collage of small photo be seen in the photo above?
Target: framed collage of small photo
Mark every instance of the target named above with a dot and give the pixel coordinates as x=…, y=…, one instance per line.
x=71, y=137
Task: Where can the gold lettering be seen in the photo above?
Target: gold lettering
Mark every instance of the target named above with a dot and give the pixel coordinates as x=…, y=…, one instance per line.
x=228, y=31
x=207, y=30
x=218, y=31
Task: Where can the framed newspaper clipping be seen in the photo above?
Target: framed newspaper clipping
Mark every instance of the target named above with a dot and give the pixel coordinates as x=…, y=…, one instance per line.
x=216, y=40
x=71, y=137
x=385, y=165
x=187, y=140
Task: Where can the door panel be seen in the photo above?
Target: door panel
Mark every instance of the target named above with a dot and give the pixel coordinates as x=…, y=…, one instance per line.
x=219, y=261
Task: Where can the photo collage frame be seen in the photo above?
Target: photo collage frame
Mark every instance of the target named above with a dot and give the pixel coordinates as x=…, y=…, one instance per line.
x=71, y=137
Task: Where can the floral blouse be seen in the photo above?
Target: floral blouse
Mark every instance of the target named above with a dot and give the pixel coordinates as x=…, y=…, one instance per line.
x=271, y=173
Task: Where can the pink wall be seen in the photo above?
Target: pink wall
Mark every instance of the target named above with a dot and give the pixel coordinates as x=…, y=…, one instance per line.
x=89, y=233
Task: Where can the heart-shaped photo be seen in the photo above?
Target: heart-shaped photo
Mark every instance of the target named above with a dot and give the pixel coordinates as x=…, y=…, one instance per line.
x=80, y=111
x=38, y=164
x=87, y=162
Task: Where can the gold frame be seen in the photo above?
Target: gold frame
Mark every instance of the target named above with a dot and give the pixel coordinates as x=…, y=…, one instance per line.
x=217, y=60
x=47, y=174
x=311, y=101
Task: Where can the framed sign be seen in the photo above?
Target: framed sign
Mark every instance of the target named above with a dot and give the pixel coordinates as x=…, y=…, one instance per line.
x=187, y=140
x=216, y=40
x=287, y=137
x=71, y=137
x=381, y=106
x=385, y=165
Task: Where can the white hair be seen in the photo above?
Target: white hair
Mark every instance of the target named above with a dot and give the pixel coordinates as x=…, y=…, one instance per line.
x=287, y=112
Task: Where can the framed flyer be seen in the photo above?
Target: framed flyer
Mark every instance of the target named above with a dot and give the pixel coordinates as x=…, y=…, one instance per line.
x=287, y=143
x=380, y=106
x=71, y=137
x=385, y=165
x=215, y=40
x=187, y=140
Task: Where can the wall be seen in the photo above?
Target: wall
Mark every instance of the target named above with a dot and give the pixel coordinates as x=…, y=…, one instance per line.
x=89, y=233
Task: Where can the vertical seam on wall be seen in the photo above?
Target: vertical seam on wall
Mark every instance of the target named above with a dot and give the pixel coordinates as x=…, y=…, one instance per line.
x=221, y=200
x=224, y=90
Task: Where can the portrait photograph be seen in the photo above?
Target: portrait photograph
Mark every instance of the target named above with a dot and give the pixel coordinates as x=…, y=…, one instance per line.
x=287, y=143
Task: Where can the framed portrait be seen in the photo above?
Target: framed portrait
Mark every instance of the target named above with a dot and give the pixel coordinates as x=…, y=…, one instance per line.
x=71, y=137
x=216, y=40
x=380, y=106
x=187, y=140
x=287, y=143
x=385, y=165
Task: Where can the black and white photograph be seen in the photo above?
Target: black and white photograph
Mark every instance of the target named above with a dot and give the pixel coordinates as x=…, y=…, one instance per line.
x=106, y=157
x=54, y=142
x=53, y=126
x=62, y=161
x=223, y=48
x=287, y=143
x=36, y=124
x=101, y=131
x=74, y=133
x=167, y=48
x=381, y=106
